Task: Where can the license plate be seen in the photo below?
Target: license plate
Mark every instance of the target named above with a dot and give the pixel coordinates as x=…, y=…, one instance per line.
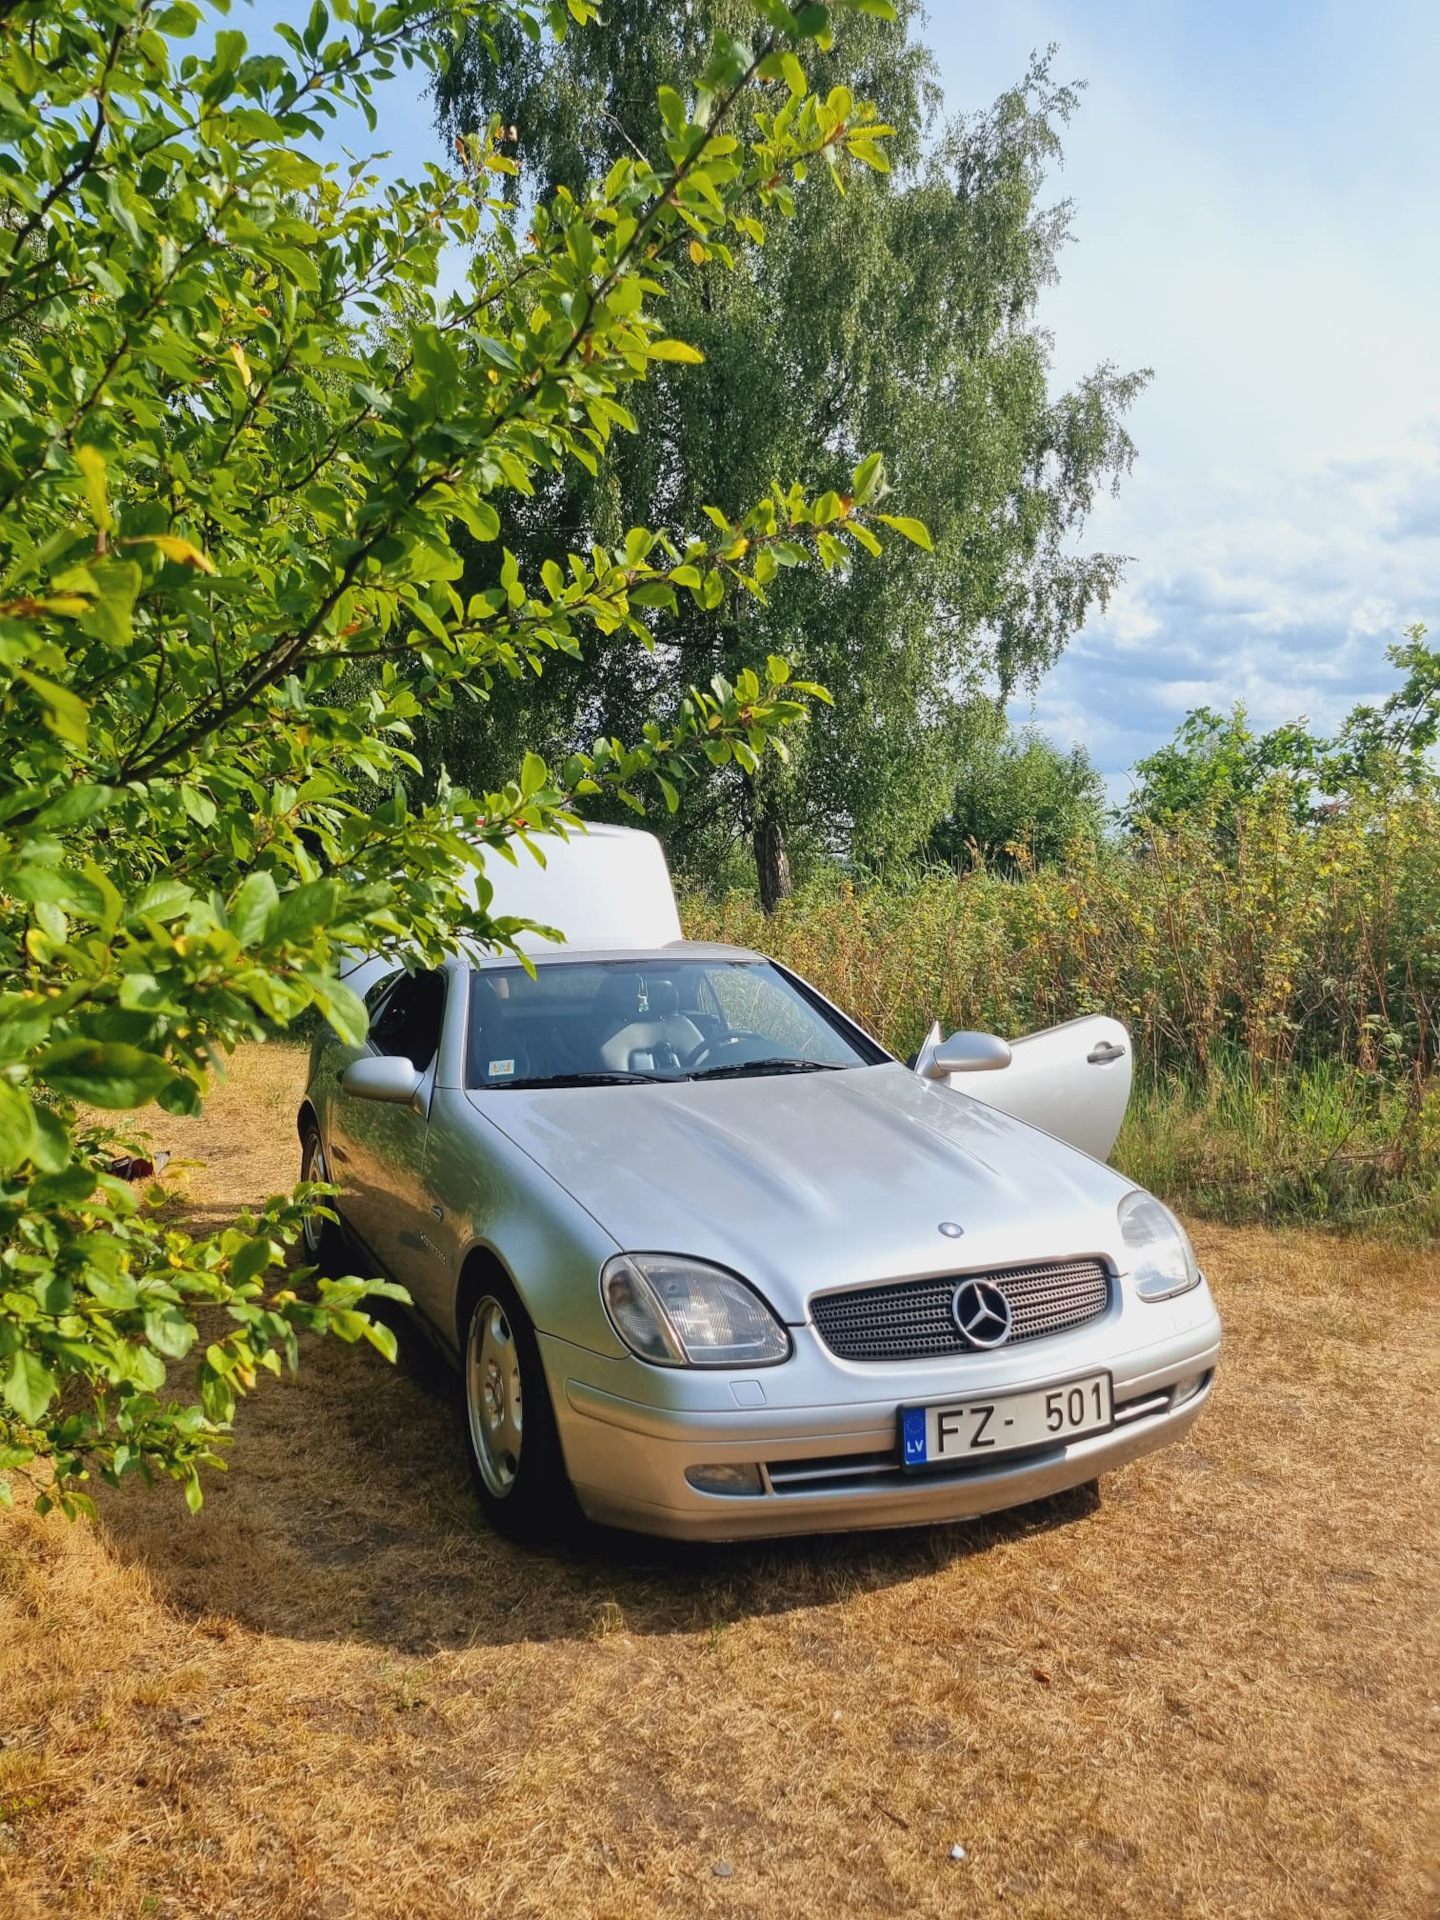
x=959, y=1431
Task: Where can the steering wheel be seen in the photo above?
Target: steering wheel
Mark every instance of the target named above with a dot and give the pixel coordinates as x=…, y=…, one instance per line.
x=710, y=1050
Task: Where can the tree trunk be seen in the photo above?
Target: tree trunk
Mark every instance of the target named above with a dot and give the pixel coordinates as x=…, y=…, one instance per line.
x=772, y=862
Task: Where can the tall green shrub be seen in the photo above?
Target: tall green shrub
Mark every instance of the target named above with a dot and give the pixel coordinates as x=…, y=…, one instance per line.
x=1294, y=942
x=238, y=421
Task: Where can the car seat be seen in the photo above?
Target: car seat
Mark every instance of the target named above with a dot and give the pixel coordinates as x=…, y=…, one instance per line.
x=654, y=1036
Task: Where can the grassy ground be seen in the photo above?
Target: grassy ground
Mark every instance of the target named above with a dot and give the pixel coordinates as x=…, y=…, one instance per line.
x=1213, y=1692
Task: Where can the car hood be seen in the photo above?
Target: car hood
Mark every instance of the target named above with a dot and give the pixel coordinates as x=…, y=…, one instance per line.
x=806, y=1181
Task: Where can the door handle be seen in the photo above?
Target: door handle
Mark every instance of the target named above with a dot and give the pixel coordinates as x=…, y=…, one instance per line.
x=1104, y=1053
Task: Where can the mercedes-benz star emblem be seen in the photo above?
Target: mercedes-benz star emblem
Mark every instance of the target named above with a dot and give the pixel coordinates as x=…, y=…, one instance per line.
x=951, y=1229
x=982, y=1313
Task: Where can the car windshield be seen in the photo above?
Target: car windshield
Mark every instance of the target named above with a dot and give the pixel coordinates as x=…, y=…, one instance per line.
x=618, y=1022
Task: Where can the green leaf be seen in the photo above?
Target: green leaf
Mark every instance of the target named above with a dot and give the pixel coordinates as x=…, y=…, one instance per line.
x=168, y=1329
x=27, y=1384
x=17, y=1128
x=382, y=1338
x=654, y=593
x=343, y=1008
x=110, y=1075
x=915, y=530
x=162, y=900
x=63, y=713
x=113, y=586
x=677, y=350
x=75, y=806
x=251, y=1261
x=91, y=463
x=868, y=480
x=305, y=910
x=481, y=519
x=252, y=908
x=51, y=1150
x=534, y=774
x=71, y=1186
x=199, y=806
x=180, y=1095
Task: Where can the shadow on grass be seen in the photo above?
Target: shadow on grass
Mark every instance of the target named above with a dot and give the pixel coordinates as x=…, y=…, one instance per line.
x=347, y=1514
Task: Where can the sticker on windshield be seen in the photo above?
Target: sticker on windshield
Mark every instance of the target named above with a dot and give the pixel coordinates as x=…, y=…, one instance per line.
x=498, y=1067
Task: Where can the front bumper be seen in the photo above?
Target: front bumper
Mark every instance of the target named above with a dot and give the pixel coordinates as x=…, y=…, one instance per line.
x=825, y=1433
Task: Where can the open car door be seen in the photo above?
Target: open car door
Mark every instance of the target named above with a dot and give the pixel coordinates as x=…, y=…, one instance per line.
x=1072, y=1081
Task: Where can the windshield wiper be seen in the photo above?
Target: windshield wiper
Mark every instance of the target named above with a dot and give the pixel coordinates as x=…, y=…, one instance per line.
x=778, y=1065
x=576, y=1080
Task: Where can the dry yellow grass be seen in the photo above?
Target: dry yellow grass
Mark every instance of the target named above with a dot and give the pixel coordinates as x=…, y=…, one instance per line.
x=335, y=1694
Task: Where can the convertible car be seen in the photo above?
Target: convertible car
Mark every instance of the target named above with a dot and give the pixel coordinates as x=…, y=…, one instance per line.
x=714, y=1264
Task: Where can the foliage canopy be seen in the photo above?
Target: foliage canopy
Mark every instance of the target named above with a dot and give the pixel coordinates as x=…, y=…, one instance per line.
x=239, y=423
x=900, y=315
x=1020, y=800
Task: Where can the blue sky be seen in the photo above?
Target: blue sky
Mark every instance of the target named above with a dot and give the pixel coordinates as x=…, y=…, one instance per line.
x=1256, y=190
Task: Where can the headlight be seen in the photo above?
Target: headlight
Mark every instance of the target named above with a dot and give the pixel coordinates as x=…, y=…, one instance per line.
x=676, y=1312
x=1162, y=1258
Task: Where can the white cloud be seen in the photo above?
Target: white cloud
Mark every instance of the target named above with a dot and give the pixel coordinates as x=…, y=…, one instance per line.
x=1281, y=590
x=1253, y=190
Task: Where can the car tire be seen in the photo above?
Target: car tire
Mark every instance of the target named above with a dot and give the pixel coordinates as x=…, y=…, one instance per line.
x=511, y=1438
x=322, y=1243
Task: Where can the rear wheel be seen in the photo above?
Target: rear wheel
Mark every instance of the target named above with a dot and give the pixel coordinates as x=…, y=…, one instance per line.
x=510, y=1430
x=322, y=1240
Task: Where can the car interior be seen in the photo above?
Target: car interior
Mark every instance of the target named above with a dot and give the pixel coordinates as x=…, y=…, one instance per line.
x=601, y=1019
x=618, y=1022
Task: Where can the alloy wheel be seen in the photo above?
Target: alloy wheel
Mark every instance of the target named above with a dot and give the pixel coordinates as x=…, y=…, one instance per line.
x=312, y=1167
x=493, y=1397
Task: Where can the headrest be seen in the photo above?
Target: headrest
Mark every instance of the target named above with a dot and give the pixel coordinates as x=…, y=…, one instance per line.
x=664, y=999
x=620, y=996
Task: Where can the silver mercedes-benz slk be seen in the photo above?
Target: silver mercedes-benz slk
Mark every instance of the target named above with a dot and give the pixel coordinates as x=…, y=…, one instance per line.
x=714, y=1264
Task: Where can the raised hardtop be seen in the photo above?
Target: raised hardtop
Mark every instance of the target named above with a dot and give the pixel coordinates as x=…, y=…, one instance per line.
x=551, y=955
x=604, y=888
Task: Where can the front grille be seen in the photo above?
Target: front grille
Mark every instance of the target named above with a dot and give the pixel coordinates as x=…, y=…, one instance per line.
x=832, y=1472
x=911, y=1320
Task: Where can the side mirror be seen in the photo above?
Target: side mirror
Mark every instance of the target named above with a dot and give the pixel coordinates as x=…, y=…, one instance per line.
x=381, y=1077
x=966, y=1053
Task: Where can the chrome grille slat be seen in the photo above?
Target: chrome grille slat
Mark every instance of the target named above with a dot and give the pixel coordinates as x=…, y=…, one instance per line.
x=911, y=1319
x=792, y=1476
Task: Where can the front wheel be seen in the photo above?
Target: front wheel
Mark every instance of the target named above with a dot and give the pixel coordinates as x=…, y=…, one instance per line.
x=322, y=1240
x=510, y=1431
